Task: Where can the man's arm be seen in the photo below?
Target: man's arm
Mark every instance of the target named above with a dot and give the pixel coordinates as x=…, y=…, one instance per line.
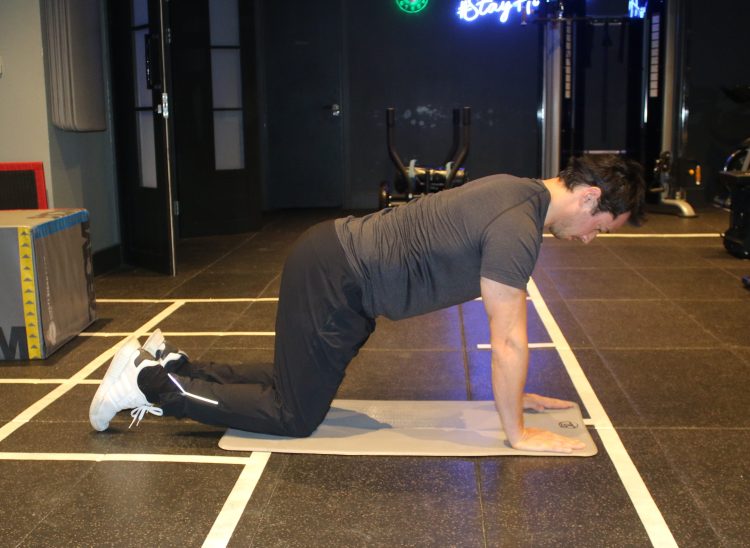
x=506, y=310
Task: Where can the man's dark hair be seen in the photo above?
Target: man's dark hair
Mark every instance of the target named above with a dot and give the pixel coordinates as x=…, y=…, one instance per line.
x=619, y=178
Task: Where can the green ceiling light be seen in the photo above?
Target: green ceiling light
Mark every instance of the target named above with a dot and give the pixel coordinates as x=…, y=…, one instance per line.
x=412, y=6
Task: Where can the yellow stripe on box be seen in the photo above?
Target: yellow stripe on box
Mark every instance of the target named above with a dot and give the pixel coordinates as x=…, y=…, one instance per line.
x=28, y=292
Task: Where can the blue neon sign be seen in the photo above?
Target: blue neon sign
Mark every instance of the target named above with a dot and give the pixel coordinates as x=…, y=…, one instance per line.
x=471, y=10
x=635, y=9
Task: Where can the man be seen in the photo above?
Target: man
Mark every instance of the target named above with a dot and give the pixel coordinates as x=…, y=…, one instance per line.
x=437, y=251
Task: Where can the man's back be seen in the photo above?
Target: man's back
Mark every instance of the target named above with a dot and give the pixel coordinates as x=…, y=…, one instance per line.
x=430, y=253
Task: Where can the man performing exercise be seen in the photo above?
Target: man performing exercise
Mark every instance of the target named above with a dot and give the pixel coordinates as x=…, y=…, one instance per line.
x=439, y=250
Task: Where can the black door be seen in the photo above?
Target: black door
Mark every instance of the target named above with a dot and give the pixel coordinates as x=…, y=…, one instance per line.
x=142, y=131
x=303, y=47
x=214, y=112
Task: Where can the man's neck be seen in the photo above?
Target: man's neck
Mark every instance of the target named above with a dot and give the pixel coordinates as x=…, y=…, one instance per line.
x=560, y=200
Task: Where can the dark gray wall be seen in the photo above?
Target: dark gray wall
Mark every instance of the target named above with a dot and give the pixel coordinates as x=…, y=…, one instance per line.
x=425, y=65
x=608, y=69
x=717, y=57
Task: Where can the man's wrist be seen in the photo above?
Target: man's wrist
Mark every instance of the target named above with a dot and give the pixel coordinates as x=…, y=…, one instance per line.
x=514, y=434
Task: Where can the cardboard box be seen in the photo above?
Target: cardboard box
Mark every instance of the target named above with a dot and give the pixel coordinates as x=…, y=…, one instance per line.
x=46, y=280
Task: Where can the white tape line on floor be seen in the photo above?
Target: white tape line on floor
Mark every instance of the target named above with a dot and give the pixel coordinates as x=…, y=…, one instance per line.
x=227, y=520
x=34, y=409
x=644, y=504
x=124, y=457
x=187, y=334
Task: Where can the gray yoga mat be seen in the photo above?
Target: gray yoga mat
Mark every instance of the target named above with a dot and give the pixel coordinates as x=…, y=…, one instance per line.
x=419, y=428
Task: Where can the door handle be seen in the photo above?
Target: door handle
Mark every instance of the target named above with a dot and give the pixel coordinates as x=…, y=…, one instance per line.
x=163, y=107
x=335, y=109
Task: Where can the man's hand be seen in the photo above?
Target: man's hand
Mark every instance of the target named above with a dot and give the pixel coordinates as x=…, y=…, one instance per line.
x=534, y=439
x=540, y=403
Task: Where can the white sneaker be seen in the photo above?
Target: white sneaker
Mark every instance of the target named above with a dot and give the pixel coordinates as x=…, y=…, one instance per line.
x=119, y=388
x=164, y=352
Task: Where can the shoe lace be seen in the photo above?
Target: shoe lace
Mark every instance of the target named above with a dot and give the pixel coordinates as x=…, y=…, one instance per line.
x=139, y=412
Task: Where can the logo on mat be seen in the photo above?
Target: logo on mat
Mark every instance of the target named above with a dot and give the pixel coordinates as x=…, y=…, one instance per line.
x=567, y=424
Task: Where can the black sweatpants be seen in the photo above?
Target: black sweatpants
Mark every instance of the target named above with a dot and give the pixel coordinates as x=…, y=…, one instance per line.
x=320, y=327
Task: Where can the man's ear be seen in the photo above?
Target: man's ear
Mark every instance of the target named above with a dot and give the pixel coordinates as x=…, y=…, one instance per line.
x=591, y=196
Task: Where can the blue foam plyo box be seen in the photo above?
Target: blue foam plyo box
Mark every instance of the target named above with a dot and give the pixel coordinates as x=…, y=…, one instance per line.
x=46, y=280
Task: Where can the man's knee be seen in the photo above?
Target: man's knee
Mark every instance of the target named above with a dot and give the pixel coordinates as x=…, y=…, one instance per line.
x=300, y=429
x=303, y=423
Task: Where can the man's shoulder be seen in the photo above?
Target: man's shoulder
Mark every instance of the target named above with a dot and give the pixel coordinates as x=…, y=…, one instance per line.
x=501, y=192
x=507, y=181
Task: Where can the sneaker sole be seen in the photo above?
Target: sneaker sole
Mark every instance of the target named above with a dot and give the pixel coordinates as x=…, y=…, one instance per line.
x=119, y=362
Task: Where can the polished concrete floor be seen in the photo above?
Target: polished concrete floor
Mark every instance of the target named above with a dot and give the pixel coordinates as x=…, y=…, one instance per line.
x=659, y=329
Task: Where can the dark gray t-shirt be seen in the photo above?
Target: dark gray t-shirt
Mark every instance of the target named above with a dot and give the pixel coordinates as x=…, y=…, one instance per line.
x=430, y=253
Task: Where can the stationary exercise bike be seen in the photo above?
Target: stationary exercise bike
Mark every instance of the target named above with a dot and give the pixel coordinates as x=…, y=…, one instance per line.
x=666, y=194
x=416, y=180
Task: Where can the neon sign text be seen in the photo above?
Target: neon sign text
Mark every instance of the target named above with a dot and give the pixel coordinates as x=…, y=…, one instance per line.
x=636, y=10
x=471, y=10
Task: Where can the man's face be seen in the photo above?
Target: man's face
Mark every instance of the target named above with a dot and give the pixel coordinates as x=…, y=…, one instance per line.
x=583, y=226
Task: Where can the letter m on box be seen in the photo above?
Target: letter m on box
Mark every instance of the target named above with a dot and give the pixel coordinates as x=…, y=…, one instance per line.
x=13, y=344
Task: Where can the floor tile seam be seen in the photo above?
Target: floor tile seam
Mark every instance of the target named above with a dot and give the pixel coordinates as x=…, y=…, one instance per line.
x=692, y=257
x=734, y=351
x=253, y=303
x=181, y=334
x=187, y=300
x=578, y=324
x=464, y=352
x=744, y=266
x=566, y=303
x=249, y=237
x=586, y=268
x=709, y=335
x=737, y=349
x=411, y=349
x=704, y=300
x=630, y=478
x=212, y=344
x=651, y=428
x=678, y=472
x=482, y=513
x=672, y=242
x=642, y=299
x=574, y=346
x=235, y=505
x=470, y=397
x=607, y=299
x=269, y=284
x=578, y=268
x=60, y=502
x=708, y=266
x=241, y=271
x=648, y=282
x=618, y=383
x=661, y=347
x=649, y=236
x=202, y=270
x=743, y=301
x=221, y=347
x=636, y=408
x=267, y=503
